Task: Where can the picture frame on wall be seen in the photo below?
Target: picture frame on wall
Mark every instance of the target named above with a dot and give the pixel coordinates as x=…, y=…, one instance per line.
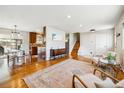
x=56, y=36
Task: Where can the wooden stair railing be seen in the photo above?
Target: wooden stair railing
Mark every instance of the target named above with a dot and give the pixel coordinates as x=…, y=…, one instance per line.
x=75, y=49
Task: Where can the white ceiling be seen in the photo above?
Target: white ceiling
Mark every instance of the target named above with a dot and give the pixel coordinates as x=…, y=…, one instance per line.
x=32, y=18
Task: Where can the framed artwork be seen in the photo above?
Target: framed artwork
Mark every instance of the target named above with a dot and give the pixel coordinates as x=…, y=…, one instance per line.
x=56, y=36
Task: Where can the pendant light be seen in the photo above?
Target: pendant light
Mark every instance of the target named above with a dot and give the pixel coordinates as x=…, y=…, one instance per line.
x=15, y=34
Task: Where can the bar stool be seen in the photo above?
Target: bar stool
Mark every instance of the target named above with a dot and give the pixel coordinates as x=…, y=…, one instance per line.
x=11, y=58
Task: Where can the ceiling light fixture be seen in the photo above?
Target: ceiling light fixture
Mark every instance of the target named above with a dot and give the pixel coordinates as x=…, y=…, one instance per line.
x=68, y=16
x=92, y=30
x=15, y=34
x=80, y=25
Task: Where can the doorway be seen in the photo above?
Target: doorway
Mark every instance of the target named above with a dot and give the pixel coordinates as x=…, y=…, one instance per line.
x=67, y=43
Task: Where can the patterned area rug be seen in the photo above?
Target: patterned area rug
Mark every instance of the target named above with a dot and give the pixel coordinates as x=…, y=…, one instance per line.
x=58, y=75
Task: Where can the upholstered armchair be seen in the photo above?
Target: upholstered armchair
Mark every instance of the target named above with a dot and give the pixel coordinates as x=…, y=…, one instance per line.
x=88, y=80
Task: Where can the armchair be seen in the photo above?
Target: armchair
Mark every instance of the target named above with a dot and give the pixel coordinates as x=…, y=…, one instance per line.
x=87, y=81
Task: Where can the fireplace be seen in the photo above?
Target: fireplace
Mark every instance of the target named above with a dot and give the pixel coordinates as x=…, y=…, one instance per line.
x=1, y=50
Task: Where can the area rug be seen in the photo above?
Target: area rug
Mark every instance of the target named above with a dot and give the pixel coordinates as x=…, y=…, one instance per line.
x=59, y=75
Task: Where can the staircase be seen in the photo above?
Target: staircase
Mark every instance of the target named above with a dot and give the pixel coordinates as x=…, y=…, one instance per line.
x=76, y=47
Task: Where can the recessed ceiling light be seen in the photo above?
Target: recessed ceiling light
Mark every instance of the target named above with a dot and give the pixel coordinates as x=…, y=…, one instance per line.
x=68, y=16
x=80, y=25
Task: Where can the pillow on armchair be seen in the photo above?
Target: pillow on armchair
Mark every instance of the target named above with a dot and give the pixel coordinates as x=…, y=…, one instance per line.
x=120, y=84
x=108, y=83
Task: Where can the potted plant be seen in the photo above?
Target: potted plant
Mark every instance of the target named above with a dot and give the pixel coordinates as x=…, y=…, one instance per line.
x=111, y=57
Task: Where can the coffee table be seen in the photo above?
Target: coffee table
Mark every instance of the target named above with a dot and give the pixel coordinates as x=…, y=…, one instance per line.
x=108, y=66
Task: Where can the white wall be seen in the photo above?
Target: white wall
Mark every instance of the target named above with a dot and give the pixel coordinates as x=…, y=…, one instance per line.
x=72, y=41
x=25, y=43
x=119, y=29
x=98, y=42
x=51, y=43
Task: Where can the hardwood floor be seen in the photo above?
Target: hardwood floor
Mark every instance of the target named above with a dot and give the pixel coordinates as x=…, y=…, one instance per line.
x=12, y=78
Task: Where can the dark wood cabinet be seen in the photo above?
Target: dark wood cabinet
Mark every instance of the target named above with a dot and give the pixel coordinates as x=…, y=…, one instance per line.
x=34, y=50
x=32, y=37
x=57, y=52
x=36, y=40
x=32, y=41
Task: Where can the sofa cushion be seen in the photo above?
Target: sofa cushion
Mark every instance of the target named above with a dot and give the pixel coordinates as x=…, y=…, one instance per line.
x=88, y=79
x=92, y=81
x=107, y=83
x=120, y=84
